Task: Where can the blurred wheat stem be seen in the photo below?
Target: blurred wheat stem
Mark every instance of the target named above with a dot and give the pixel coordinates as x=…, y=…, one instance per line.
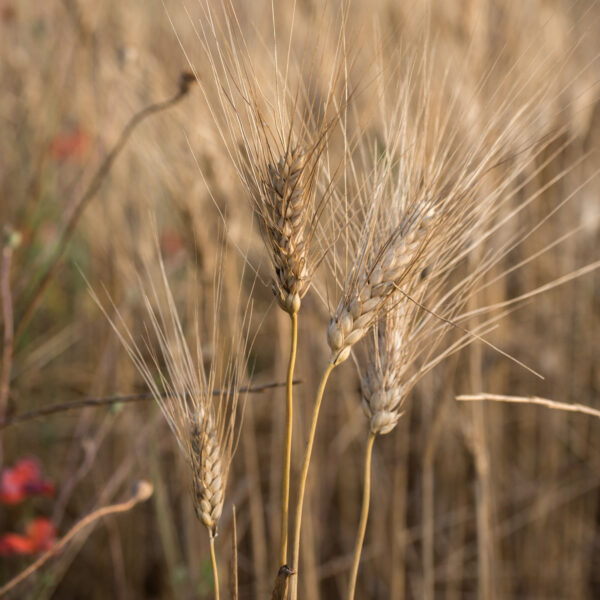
x=287, y=457
x=364, y=514
x=304, y=476
x=579, y=408
x=233, y=583
x=213, y=563
x=11, y=240
x=143, y=491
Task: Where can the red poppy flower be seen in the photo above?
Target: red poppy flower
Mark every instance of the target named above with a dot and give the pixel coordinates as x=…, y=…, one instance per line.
x=70, y=144
x=23, y=480
x=39, y=536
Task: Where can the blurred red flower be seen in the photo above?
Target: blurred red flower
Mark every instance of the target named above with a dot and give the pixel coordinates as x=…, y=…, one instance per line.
x=23, y=480
x=70, y=144
x=39, y=536
x=171, y=242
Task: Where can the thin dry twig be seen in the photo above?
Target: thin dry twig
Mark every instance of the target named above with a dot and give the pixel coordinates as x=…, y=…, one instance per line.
x=579, y=408
x=11, y=239
x=143, y=491
x=107, y=401
x=185, y=81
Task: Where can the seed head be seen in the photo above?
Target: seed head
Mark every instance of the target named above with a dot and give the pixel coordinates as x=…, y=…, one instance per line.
x=203, y=419
x=277, y=126
x=370, y=289
x=382, y=385
x=287, y=207
x=209, y=469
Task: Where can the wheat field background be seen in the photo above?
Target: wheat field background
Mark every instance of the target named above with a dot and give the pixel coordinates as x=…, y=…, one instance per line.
x=479, y=499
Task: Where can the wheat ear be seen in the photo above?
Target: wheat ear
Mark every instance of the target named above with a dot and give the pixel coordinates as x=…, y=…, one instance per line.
x=287, y=205
x=382, y=390
x=369, y=290
x=286, y=202
x=208, y=471
x=204, y=423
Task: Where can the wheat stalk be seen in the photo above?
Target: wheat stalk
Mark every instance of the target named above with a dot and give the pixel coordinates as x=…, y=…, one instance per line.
x=276, y=126
x=427, y=199
x=204, y=423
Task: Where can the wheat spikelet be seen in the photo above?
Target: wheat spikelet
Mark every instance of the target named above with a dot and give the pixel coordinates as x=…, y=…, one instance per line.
x=382, y=389
x=365, y=299
x=286, y=215
x=209, y=471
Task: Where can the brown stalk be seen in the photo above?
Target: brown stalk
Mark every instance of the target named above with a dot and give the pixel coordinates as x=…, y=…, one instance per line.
x=399, y=502
x=428, y=481
x=10, y=241
x=579, y=408
x=185, y=80
x=87, y=402
x=116, y=481
x=483, y=490
x=256, y=502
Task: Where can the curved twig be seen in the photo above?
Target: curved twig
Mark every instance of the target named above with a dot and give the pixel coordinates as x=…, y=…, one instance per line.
x=143, y=491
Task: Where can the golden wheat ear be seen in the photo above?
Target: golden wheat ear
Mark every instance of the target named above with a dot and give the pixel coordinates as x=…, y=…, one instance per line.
x=208, y=460
x=276, y=123
x=198, y=392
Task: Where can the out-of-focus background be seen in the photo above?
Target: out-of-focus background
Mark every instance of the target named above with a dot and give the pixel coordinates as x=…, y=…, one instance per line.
x=476, y=500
